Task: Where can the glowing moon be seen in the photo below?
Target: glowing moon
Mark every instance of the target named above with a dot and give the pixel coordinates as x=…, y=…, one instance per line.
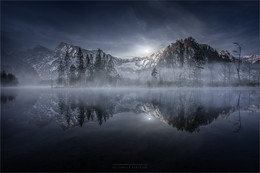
x=144, y=50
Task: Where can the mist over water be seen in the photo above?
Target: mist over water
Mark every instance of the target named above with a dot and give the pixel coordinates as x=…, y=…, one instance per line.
x=137, y=86
x=174, y=129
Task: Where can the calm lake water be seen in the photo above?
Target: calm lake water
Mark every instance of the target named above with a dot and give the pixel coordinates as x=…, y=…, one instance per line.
x=130, y=130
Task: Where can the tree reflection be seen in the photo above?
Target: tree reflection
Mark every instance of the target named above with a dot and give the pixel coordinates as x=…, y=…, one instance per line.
x=7, y=97
x=76, y=112
x=185, y=111
x=81, y=113
x=237, y=124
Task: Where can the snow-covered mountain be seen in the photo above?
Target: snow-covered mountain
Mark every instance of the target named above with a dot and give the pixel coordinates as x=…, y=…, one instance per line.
x=252, y=58
x=180, y=53
x=177, y=54
x=225, y=55
x=44, y=62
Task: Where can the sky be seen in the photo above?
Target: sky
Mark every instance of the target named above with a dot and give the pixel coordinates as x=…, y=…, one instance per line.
x=127, y=29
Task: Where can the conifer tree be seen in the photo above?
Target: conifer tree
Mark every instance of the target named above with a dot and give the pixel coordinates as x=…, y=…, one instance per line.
x=88, y=66
x=8, y=79
x=81, y=68
x=66, y=63
x=61, y=73
x=91, y=69
x=154, y=73
x=110, y=70
x=88, y=63
x=72, y=75
x=81, y=114
x=99, y=66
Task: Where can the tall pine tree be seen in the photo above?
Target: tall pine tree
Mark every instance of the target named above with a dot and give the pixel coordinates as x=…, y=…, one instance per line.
x=111, y=71
x=99, y=66
x=88, y=66
x=72, y=75
x=154, y=73
x=81, y=67
x=91, y=69
x=66, y=70
x=61, y=73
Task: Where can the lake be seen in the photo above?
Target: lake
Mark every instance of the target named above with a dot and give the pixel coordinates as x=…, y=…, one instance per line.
x=207, y=129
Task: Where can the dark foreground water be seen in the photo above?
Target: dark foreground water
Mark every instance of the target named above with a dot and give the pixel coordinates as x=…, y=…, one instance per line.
x=130, y=130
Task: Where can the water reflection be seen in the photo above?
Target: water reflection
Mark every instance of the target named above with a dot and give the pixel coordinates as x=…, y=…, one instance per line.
x=55, y=129
x=7, y=97
x=75, y=111
x=183, y=110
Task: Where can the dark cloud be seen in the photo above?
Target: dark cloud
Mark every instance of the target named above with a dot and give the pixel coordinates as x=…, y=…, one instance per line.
x=128, y=29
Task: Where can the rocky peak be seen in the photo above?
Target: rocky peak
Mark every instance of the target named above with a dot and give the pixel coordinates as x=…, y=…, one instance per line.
x=252, y=58
x=189, y=42
x=183, y=51
x=63, y=47
x=225, y=55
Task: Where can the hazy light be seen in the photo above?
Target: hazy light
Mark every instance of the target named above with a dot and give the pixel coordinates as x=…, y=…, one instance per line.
x=144, y=50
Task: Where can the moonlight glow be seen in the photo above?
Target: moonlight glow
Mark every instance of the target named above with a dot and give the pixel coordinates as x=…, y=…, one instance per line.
x=143, y=85
x=144, y=50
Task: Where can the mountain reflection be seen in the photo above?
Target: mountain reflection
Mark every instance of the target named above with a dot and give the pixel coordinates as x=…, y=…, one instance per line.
x=183, y=110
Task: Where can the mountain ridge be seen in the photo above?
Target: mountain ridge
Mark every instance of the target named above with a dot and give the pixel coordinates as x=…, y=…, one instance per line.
x=178, y=54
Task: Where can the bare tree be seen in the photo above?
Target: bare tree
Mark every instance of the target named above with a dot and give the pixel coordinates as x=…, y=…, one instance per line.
x=237, y=124
x=227, y=72
x=224, y=72
x=238, y=53
x=229, y=67
x=249, y=71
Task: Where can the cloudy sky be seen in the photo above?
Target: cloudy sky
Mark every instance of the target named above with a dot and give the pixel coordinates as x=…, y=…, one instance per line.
x=126, y=29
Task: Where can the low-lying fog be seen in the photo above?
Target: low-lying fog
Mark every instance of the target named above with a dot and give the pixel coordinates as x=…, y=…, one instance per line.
x=168, y=105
